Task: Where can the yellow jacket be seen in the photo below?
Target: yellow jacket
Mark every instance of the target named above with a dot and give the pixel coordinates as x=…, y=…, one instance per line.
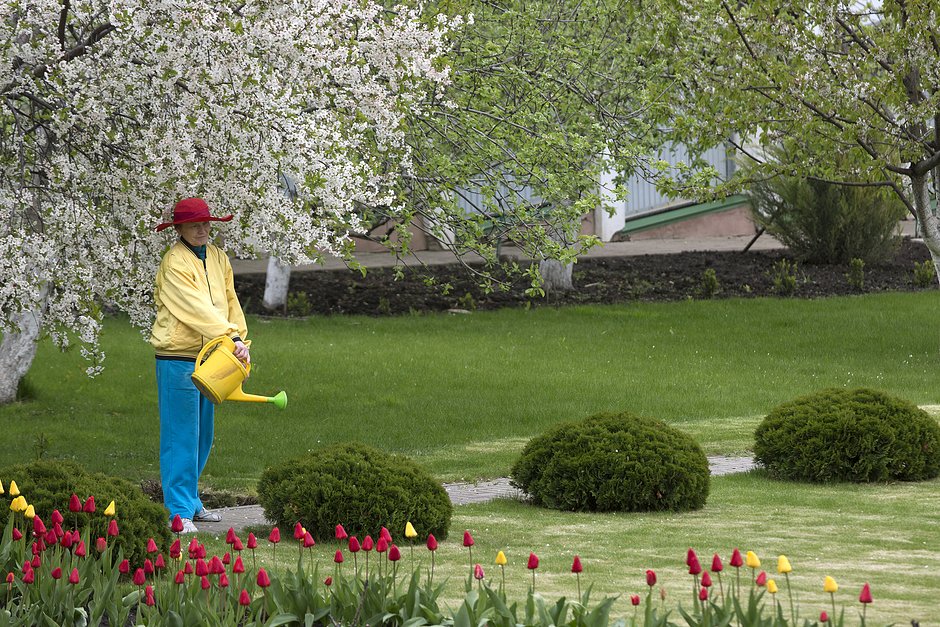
x=195, y=303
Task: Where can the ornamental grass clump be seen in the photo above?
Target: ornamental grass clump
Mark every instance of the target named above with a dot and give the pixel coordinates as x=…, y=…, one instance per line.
x=849, y=435
x=635, y=464
x=357, y=485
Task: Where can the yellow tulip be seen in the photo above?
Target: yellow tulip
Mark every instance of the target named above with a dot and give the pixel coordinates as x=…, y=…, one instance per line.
x=109, y=510
x=500, y=559
x=14, y=491
x=752, y=560
x=18, y=504
x=783, y=565
x=771, y=586
x=410, y=530
x=830, y=585
x=1, y=487
x=30, y=512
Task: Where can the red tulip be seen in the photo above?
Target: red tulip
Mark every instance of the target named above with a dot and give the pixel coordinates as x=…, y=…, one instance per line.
x=736, y=560
x=177, y=525
x=244, y=599
x=160, y=563
x=275, y=536
x=36, y=563
x=113, y=528
x=29, y=576
x=9, y=577
x=865, y=596
x=634, y=599
x=340, y=533
x=706, y=580
x=201, y=551
x=89, y=506
x=823, y=617
x=298, y=531
x=215, y=566
x=75, y=504
x=56, y=573
x=67, y=540
x=56, y=517
x=57, y=530
x=328, y=581
x=180, y=577
x=394, y=554
x=38, y=527
x=148, y=596
x=73, y=577
x=650, y=578
x=354, y=545
x=152, y=546
x=761, y=579
x=237, y=545
x=148, y=567
x=308, y=540
x=252, y=541
x=227, y=558
x=703, y=594
x=478, y=572
x=124, y=567
x=385, y=534
x=432, y=542
x=381, y=546
x=694, y=567
x=533, y=561
x=139, y=577
x=223, y=580
x=188, y=568
x=367, y=543
x=17, y=536
x=467, y=539
x=338, y=557
x=576, y=565
x=230, y=536
x=717, y=566
x=263, y=580
x=690, y=556
x=50, y=537
x=175, y=550
x=202, y=569
x=204, y=583
x=238, y=567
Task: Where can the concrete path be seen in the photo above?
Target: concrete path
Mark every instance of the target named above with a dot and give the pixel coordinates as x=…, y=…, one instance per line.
x=460, y=494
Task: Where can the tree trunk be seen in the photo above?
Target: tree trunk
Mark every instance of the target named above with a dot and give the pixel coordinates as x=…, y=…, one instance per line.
x=929, y=221
x=275, y=286
x=556, y=275
x=17, y=350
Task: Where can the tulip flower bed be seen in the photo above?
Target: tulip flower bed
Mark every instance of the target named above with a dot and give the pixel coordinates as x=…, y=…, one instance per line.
x=52, y=577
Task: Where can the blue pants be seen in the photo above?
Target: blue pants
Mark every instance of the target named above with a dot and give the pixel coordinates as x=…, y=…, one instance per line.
x=186, y=429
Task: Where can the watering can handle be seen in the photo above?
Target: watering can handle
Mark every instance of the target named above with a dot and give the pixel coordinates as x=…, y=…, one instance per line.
x=211, y=343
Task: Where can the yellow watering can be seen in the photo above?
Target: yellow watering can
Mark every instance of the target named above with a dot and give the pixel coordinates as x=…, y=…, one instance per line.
x=220, y=376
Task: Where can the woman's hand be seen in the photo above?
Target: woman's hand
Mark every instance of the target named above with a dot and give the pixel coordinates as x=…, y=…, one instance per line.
x=241, y=352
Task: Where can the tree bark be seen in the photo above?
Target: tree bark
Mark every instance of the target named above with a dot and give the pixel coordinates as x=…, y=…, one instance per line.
x=17, y=350
x=275, y=286
x=929, y=221
x=556, y=275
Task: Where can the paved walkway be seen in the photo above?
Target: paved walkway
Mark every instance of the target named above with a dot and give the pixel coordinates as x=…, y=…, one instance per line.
x=460, y=494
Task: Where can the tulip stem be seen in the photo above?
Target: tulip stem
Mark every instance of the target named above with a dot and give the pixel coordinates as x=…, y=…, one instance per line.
x=578, y=575
x=790, y=596
x=832, y=597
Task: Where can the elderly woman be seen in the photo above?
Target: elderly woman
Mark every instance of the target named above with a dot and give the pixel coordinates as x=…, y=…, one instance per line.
x=196, y=302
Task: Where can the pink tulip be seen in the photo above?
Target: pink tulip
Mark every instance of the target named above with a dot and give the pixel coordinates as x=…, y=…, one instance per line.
x=152, y=546
x=298, y=531
x=761, y=579
x=113, y=528
x=148, y=596
x=477, y=572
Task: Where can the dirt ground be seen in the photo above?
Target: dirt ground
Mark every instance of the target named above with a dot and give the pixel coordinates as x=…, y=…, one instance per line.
x=608, y=280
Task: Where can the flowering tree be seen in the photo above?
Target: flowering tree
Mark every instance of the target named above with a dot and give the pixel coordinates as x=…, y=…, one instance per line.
x=113, y=110
x=854, y=79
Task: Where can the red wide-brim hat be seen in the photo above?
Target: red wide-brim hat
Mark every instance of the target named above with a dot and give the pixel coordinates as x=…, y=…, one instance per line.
x=192, y=210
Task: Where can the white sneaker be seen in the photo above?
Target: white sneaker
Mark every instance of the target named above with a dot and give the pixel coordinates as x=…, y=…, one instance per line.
x=188, y=526
x=205, y=515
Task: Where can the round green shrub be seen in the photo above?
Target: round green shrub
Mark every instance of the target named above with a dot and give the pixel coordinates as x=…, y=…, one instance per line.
x=47, y=485
x=357, y=486
x=614, y=462
x=848, y=435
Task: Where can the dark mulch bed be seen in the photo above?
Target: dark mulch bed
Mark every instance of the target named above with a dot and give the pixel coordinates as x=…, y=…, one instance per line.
x=666, y=277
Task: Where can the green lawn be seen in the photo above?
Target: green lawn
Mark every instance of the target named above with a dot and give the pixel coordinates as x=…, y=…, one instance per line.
x=462, y=394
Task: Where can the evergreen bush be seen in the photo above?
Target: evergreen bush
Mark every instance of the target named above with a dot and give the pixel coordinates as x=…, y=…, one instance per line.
x=849, y=435
x=357, y=486
x=614, y=462
x=48, y=485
